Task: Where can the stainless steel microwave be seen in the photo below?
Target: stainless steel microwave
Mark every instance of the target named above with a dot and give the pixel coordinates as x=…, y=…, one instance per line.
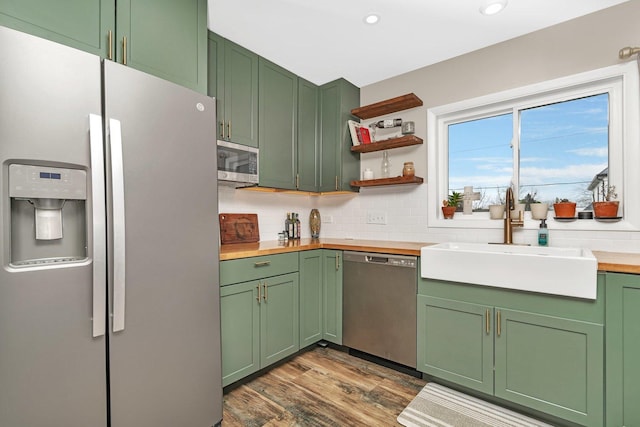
x=237, y=164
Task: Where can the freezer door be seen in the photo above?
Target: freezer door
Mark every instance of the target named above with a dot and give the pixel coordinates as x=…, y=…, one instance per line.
x=52, y=368
x=164, y=341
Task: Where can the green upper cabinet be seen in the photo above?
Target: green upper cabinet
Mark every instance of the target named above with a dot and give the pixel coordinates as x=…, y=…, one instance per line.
x=623, y=350
x=308, y=141
x=338, y=164
x=233, y=80
x=278, y=124
x=82, y=24
x=165, y=38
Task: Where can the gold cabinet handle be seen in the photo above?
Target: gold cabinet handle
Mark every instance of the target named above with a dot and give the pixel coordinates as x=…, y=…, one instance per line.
x=229, y=129
x=498, y=323
x=259, y=294
x=265, y=291
x=337, y=262
x=336, y=182
x=261, y=263
x=222, y=130
x=124, y=50
x=297, y=181
x=110, y=47
x=487, y=321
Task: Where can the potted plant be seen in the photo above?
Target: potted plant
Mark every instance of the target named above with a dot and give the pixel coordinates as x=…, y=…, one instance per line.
x=450, y=205
x=608, y=208
x=563, y=208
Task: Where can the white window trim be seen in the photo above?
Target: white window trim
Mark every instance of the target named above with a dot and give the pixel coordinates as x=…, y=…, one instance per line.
x=621, y=81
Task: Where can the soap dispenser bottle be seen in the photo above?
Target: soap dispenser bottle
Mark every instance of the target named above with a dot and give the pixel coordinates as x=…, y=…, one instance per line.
x=543, y=233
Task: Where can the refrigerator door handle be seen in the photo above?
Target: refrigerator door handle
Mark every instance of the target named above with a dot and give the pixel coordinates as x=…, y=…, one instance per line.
x=117, y=185
x=99, y=226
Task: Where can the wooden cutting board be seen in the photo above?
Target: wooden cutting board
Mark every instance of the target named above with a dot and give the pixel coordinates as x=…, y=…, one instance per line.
x=239, y=228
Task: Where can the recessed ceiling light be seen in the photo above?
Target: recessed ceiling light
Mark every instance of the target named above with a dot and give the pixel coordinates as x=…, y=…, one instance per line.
x=491, y=7
x=371, y=18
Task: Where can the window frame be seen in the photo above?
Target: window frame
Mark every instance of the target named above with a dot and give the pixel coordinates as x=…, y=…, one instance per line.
x=622, y=84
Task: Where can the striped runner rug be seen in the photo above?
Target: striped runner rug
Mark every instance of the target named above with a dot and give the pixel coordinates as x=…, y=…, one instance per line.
x=439, y=406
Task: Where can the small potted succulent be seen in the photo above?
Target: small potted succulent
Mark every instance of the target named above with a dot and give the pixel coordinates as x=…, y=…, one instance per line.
x=563, y=208
x=608, y=208
x=450, y=205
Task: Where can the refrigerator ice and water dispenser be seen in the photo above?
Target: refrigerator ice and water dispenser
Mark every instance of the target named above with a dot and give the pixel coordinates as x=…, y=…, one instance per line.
x=48, y=219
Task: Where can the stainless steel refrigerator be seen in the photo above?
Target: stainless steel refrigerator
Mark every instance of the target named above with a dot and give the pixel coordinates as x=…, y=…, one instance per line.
x=109, y=299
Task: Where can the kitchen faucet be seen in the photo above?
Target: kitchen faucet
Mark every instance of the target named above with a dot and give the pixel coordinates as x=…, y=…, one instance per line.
x=509, y=222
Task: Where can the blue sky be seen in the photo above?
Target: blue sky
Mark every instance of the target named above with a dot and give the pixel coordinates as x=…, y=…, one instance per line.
x=563, y=146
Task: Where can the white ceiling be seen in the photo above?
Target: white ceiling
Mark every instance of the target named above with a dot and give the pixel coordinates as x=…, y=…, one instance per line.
x=322, y=40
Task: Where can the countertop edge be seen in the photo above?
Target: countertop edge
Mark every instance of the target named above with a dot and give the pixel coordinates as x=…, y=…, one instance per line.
x=613, y=262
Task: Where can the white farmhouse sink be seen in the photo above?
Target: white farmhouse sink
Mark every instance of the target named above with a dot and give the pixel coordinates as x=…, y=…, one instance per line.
x=561, y=271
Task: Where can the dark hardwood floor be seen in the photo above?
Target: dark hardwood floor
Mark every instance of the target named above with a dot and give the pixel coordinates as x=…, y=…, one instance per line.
x=321, y=387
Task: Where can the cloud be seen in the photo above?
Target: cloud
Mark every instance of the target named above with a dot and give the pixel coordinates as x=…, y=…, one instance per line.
x=591, y=152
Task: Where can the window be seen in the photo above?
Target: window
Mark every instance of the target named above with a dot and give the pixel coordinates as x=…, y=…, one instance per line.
x=559, y=139
x=562, y=147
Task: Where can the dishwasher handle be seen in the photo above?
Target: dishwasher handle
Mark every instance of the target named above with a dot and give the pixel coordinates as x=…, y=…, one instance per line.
x=376, y=259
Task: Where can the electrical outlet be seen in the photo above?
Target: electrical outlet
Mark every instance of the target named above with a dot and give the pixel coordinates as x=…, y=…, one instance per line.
x=327, y=219
x=376, y=217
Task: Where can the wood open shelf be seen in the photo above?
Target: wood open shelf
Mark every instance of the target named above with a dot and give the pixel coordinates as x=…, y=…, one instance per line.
x=403, y=141
x=388, y=181
x=387, y=106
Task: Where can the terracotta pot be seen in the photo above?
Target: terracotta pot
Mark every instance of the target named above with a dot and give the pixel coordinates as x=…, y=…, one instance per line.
x=605, y=209
x=565, y=209
x=448, y=211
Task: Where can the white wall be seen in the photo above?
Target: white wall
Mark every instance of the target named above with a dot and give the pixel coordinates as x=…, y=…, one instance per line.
x=579, y=45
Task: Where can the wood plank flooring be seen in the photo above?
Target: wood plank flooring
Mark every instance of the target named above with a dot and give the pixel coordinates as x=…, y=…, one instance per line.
x=322, y=387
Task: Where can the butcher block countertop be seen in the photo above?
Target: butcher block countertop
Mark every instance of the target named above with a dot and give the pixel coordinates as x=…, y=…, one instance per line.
x=617, y=262
x=244, y=250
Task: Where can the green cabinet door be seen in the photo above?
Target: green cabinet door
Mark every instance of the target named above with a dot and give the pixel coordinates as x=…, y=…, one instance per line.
x=165, y=38
x=623, y=350
x=310, y=297
x=82, y=24
x=240, y=327
x=455, y=342
x=279, y=321
x=550, y=364
x=308, y=144
x=338, y=164
x=278, y=126
x=332, y=296
x=233, y=81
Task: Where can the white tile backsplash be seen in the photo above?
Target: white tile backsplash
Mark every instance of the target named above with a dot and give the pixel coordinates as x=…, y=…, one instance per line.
x=406, y=209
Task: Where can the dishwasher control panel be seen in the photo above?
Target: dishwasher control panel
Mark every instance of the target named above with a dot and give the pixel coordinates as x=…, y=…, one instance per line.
x=402, y=262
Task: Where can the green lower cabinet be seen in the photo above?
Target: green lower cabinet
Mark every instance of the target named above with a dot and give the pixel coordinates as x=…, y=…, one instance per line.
x=550, y=364
x=320, y=296
x=523, y=351
x=311, y=291
x=332, y=296
x=240, y=325
x=453, y=343
x=279, y=318
x=623, y=350
x=259, y=322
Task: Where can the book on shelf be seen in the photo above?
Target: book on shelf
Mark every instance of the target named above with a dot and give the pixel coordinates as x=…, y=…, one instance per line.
x=359, y=134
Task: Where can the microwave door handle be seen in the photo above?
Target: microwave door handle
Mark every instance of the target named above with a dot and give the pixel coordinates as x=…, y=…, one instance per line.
x=99, y=233
x=119, y=255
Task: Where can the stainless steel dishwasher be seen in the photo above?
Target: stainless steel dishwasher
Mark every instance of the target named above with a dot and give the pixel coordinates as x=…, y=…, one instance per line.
x=379, y=305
